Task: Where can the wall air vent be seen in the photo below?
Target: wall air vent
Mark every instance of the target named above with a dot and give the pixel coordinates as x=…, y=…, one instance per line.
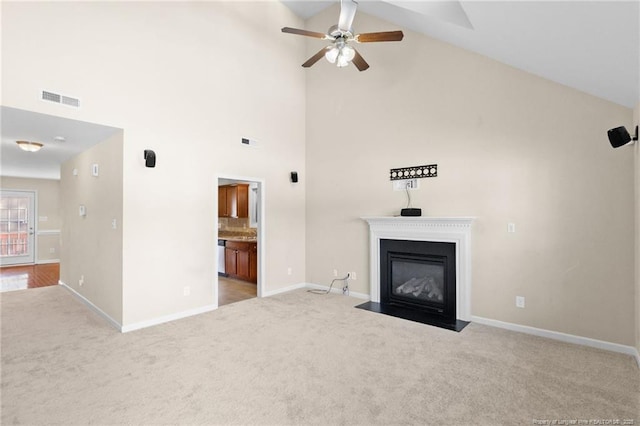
x=60, y=99
x=48, y=96
x=66, y=100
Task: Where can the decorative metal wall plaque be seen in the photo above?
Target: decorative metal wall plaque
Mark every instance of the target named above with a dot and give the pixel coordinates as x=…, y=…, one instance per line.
x=415, y=172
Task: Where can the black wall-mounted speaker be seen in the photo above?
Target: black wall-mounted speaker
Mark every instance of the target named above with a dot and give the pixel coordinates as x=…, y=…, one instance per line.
x=294, y=177
x=618, y=136
x=149, y=158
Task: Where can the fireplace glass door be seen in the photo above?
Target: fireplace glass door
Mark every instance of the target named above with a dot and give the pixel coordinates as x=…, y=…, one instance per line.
x=418, y=280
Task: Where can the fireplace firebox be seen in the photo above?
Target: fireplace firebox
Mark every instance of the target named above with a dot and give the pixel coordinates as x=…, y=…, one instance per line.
x=419, y=275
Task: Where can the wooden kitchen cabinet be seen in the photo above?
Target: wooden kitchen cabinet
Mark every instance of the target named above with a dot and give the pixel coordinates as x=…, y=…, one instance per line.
x=230, y=261
x=233, y=200
x=242, y=200
x=240, y=260
x=222, y=202
x=253, y=263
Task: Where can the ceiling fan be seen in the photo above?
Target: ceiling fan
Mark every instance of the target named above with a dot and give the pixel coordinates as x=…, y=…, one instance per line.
x=340, y=52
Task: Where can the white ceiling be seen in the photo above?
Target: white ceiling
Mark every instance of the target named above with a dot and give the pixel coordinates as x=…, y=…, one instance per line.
x=17, y=124
x=592, y=46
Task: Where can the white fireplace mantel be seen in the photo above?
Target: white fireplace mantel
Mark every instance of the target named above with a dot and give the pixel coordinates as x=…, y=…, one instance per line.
x=439, y=229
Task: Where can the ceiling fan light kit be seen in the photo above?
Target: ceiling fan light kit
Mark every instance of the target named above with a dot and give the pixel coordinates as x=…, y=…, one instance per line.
x=341, y=53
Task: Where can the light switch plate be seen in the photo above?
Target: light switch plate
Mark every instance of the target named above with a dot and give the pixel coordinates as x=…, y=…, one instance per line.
x=95, y=169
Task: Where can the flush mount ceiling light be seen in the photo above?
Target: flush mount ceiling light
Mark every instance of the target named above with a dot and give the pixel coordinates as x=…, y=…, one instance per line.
x=29, y=146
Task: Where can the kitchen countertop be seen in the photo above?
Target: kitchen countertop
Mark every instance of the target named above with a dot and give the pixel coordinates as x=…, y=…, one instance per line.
x=239, y=239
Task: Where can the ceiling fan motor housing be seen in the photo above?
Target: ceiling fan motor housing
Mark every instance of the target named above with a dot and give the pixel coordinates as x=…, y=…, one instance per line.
x=336, y=33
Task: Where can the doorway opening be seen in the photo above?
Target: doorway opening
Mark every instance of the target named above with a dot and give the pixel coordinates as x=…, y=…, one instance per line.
x=240, y=239
x=17, y=227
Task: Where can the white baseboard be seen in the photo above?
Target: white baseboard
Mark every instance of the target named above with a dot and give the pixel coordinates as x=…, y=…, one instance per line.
x=138, y=325
x=313, y=286
x=93, y=307
x=168, y=318
x=283, y=289
x=337, y=290
x=43, y=262
x=555, y=335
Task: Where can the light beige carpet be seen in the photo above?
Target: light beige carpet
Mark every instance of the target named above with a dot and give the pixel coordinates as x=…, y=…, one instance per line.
x=296, y=358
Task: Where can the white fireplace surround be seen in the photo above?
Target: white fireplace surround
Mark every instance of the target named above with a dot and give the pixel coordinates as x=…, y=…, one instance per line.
x=438, y=229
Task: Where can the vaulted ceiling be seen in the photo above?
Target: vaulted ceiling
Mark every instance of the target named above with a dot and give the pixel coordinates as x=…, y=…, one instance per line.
x=592, y=46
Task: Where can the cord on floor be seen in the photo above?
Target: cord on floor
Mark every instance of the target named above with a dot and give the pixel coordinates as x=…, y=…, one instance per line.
x=345, y=288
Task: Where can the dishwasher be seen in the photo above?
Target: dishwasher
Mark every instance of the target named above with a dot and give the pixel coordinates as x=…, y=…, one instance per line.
x=221, y=269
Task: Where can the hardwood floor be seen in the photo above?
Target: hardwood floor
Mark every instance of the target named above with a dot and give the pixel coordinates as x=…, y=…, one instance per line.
x=231, y=291
x=33, y=276
x=30, y=276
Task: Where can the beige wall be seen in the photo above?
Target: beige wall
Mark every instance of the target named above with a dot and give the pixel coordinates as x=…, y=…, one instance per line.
x=91, y=248
x=510, y=147
x=187, y=80
x=48, y=214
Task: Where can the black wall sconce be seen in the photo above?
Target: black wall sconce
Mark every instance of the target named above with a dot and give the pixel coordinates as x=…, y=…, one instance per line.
x=294, y=177
x=620, y=136
x=149, y=158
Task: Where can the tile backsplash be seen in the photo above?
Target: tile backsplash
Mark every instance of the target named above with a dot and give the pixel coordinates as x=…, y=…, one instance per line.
x=237, y=226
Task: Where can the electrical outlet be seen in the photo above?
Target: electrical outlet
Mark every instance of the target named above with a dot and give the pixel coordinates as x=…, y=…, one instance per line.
x=404, y=184
x=353, y=276
x=52, y=250
x=81, y=281
x=289, y=271
x=186, y=291
x=335, y=272
x=520, y=301
x=114, y=224
x=511, y=227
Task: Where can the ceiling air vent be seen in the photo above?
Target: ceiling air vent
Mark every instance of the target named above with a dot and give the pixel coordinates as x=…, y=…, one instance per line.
x=60, y=99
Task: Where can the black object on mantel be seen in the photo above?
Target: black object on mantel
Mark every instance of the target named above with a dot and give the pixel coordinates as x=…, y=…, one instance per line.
x=411, y=212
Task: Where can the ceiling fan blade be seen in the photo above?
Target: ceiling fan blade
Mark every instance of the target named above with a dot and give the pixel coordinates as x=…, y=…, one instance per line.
x=347, y=13
x=303, y=32
x=382, y=36
x=359, y=62
x=315, y=58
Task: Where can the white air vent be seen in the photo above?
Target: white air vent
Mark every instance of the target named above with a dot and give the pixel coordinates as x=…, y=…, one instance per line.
x=60, y=99
x=71, y=101
x=249, y=142
x=48, y=96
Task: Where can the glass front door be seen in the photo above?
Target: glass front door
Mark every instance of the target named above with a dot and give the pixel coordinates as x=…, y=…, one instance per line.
x=17, y=227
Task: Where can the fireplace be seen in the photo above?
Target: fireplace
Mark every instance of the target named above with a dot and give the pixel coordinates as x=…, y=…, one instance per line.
x=419, y=275
x=420, y=269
